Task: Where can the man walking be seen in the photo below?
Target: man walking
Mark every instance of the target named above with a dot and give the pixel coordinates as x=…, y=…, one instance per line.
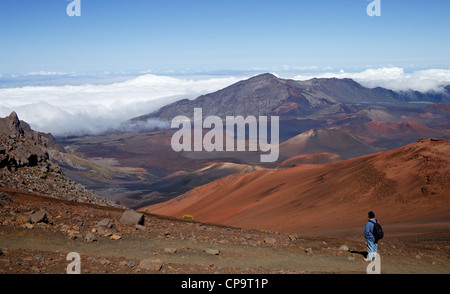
x=371, y=241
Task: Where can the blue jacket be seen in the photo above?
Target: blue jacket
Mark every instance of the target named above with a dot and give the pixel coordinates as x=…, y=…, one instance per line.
x=368, y=230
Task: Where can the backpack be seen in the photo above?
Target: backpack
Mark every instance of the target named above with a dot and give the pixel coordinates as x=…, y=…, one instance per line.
x=377, y=231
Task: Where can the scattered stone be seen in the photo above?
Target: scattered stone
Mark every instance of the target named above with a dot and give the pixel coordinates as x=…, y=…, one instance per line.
x=170, y=250
x=141, y=228
x=309, y=251
x=131, y=264
x=152, y=265
x=64, y=227
x=344, y=248
x=212, y=251
x=115, y=237
x=90, y=237
x=5, y=197
x=38, y=217
x=293, y=237
x=105, y=261
x=131, y=217
x=23, y=220
x=29, y=226
x=73, y=234
x=106, y=222
x=123, y=263
x=100, y=231
x=270, y=240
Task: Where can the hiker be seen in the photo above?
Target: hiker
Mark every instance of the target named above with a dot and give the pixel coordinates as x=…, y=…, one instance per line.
x=372, y=242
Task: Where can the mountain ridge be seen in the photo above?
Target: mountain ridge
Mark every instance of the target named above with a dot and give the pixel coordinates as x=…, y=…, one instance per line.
x=265, y=93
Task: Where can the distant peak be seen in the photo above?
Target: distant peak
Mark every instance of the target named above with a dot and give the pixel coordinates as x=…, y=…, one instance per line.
x=265, y=76
x=13, y=116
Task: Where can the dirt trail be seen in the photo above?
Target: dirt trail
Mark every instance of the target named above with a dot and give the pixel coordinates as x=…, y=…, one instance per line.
x=232, y=256
x=180, y=246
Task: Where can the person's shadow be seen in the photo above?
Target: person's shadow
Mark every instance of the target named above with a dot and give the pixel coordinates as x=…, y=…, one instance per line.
x=363, y=253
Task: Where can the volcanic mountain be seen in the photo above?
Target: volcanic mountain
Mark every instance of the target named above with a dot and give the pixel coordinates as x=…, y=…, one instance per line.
x=408, y=186
x=317, y=103
x=260, y=95
x=267, y=94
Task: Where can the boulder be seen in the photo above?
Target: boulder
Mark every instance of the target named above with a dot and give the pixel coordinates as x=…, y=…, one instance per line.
x=39, y=217
x=106, y=222
x=131, y=217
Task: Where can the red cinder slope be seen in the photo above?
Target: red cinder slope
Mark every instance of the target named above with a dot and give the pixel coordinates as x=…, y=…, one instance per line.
x=407, y=185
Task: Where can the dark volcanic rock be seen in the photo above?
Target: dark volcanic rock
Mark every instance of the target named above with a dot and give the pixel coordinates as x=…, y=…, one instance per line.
x=16, y=153
x=25, y=165
x=11, y=125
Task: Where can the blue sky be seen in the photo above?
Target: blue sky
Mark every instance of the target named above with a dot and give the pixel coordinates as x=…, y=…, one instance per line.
x=194, y=35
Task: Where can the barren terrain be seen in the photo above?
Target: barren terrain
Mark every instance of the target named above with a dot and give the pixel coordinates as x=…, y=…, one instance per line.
x=172, y=246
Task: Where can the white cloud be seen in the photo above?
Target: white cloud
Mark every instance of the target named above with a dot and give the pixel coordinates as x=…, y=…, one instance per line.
x=394, y=78
x=92, y=109
x=46, y=73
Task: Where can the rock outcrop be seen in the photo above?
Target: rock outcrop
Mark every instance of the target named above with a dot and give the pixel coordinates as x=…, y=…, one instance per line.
x=16, y=152
x=12, y=126
x=25, y=164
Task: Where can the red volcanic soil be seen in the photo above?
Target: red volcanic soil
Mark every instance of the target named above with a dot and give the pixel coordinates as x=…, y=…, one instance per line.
x=139, y=169
x=407, y=129
x=310, y=159
x=407, y=188
x=285, y=108
x=175, y=174
x=439, y=108
x=325, y=141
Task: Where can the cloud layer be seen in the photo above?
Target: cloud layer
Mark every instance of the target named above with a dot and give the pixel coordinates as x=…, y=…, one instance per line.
x=90, y=108
x=394, y=78
x=93, y=109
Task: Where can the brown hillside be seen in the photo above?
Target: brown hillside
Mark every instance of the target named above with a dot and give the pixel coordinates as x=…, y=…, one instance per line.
x=409, y=185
